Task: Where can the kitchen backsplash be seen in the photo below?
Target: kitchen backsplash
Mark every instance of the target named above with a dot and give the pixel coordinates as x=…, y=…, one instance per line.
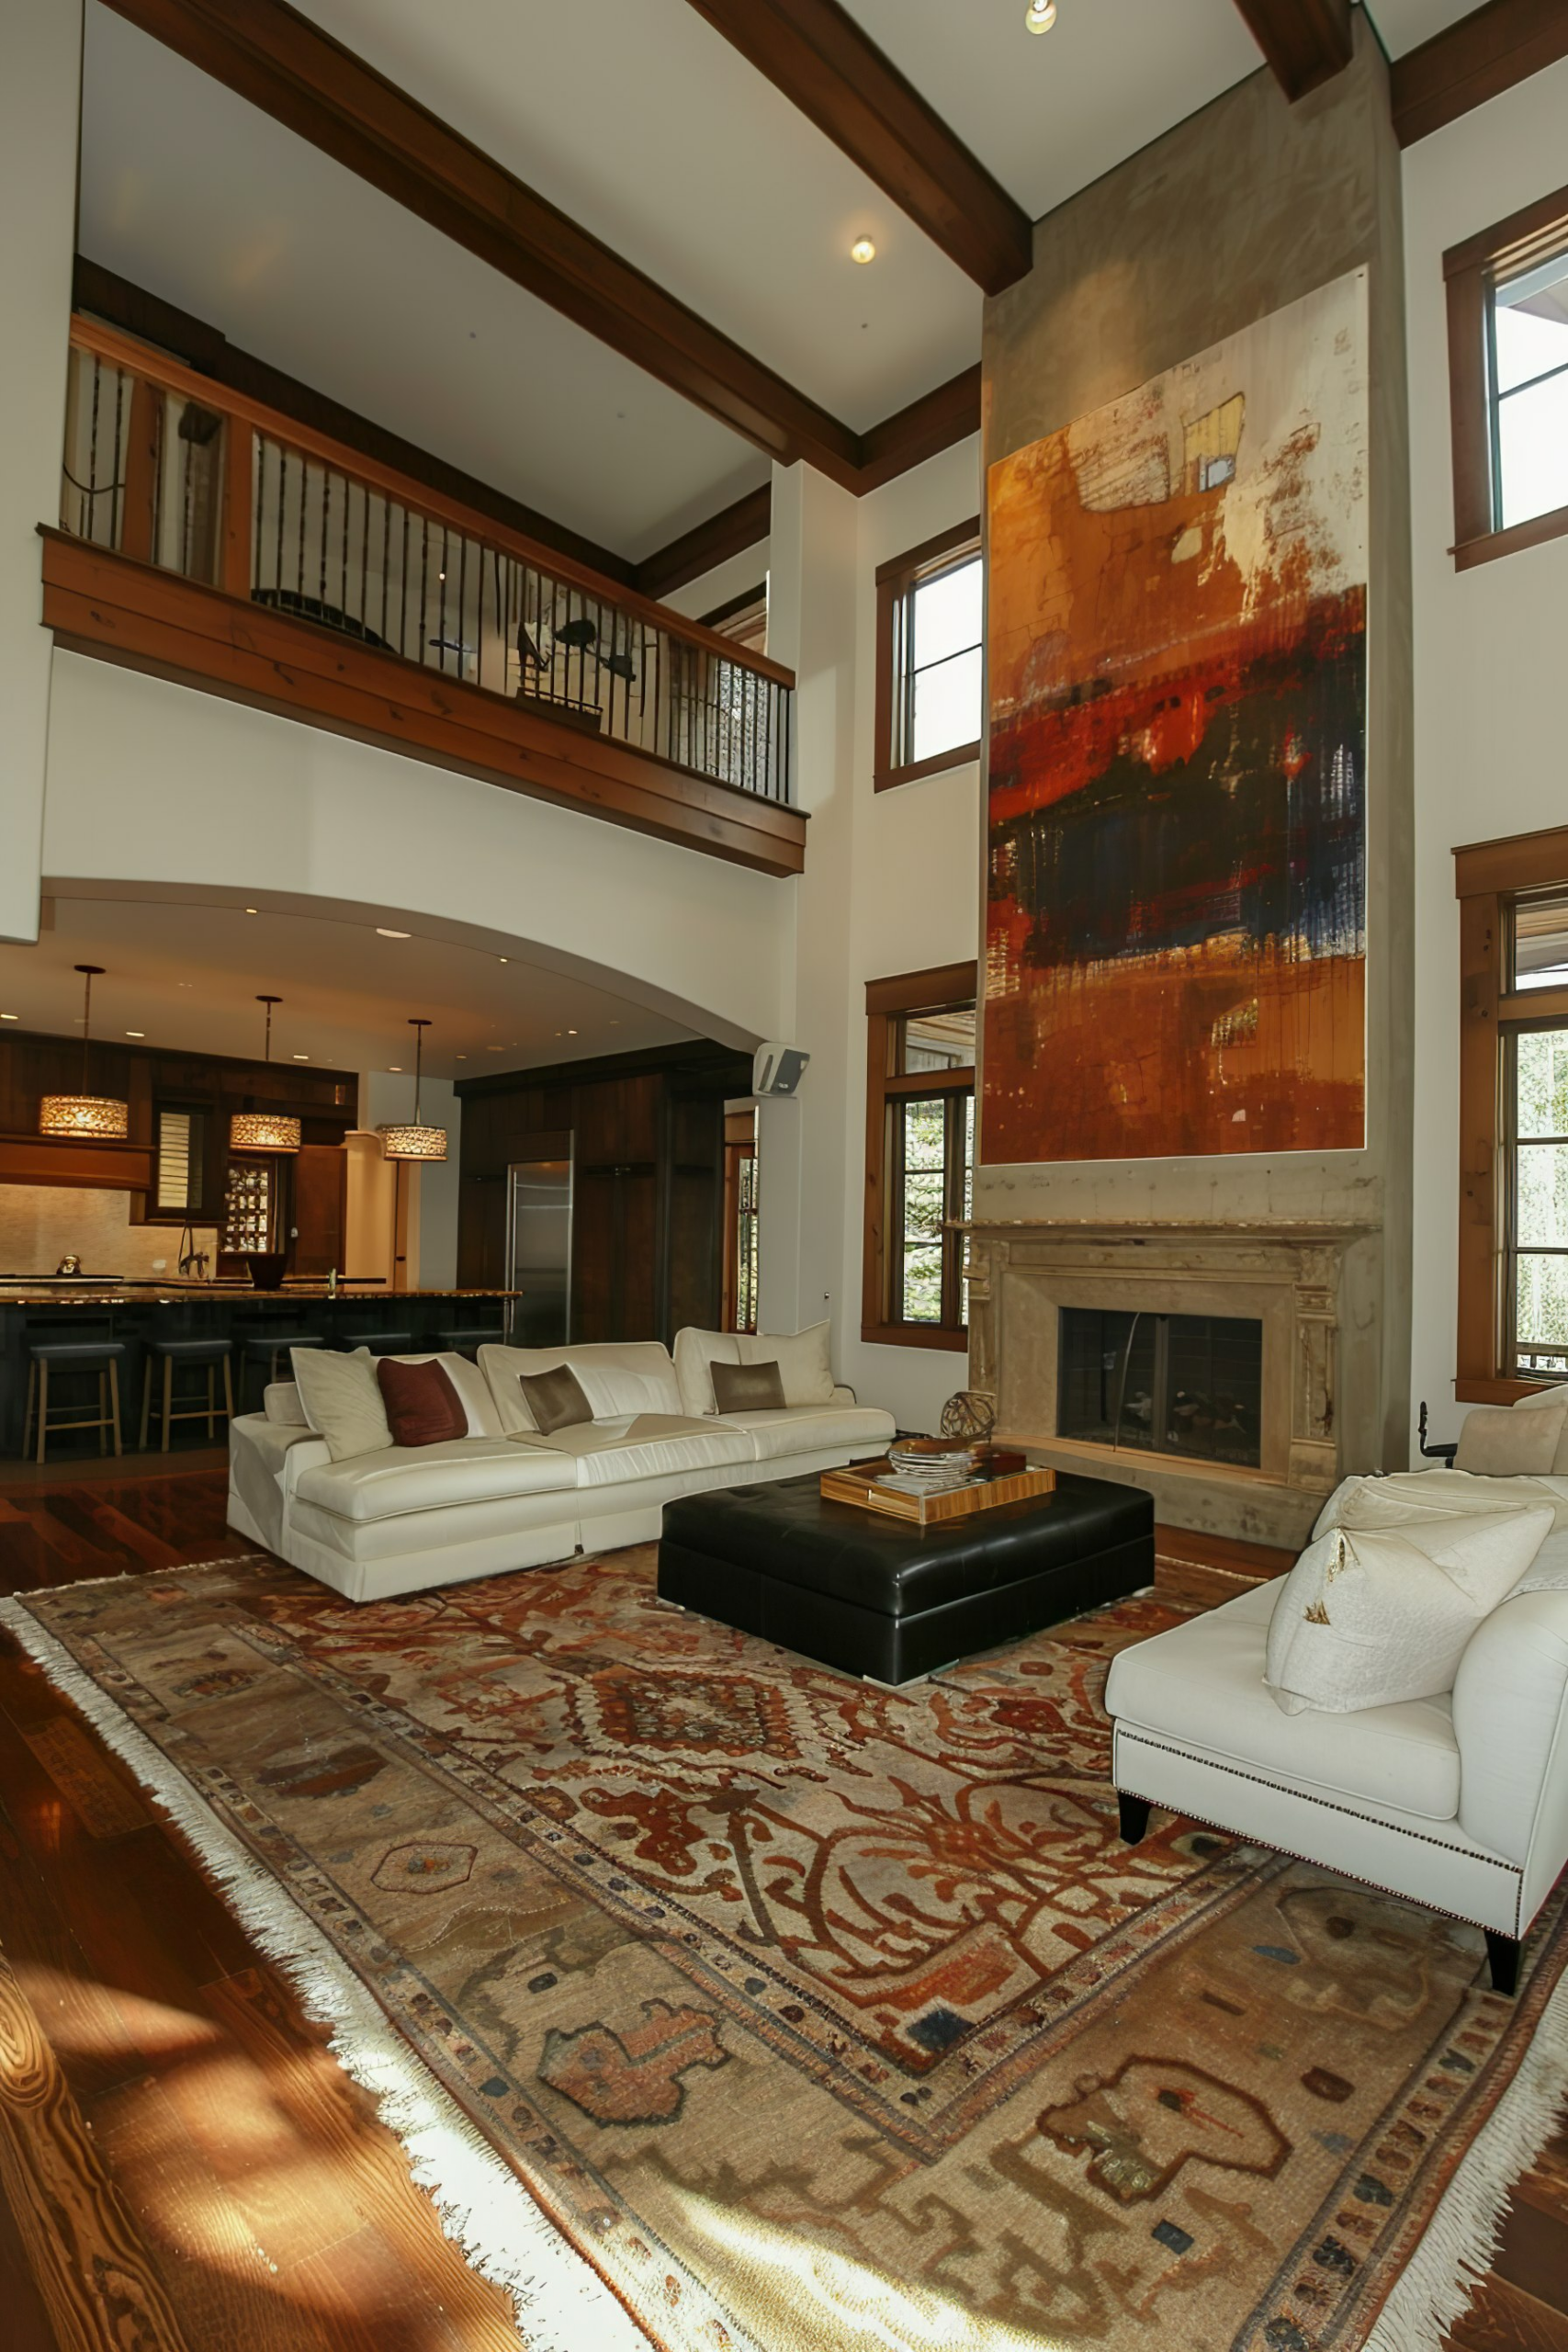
x=40, y=1224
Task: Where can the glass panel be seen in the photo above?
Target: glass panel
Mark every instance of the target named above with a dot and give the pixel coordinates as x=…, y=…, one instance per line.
x=1532, y=450
x=1541, y=1083
x=945, y=615
x=1541, y=1209
x=943, y=1040
x=1540, y=943
x=924, y=1208
x=182, y=1144
x=1530, y=322
x=1188, y=1384
x=946, y=705
x=1540, y=1307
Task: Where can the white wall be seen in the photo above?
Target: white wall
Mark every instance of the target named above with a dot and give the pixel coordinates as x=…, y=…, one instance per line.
x=891, y=885
x=40, y=106
x=735, y=577
x=1489, y=650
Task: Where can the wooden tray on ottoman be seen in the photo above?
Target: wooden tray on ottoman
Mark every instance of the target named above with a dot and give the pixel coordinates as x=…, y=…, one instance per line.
x=858, y=1485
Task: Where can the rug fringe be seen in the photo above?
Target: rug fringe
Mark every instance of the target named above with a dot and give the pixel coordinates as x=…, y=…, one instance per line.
x=559, y=2302
x=1457, y=2248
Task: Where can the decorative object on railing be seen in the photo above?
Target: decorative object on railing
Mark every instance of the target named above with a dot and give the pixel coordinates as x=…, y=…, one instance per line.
x=98, y=1118
x=236, y=503
x=414, y=1140
x=269, y=1131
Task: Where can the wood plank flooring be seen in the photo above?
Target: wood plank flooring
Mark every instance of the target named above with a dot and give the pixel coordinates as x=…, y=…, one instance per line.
x=184, y=2167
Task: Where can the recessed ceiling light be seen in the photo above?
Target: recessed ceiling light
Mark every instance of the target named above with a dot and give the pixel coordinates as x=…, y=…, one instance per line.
x=252, y=910
x=136, y=1033
x=504, y=959
x=383, y=932
x=301, y=1057
x=572, y=1032
x=10, y=1016
x=395, y=1069
x=462, y=1058
x=501, y=1049
x=862, y=250
x=1040, y=15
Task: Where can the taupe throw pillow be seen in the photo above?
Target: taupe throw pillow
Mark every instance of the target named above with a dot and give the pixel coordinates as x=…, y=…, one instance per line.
x=341, y=1401
x=1496, y=1444
x=555, y=1399
x=748, y=1387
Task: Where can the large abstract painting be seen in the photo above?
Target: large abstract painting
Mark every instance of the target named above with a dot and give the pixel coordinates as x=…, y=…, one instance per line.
x=1176, y=949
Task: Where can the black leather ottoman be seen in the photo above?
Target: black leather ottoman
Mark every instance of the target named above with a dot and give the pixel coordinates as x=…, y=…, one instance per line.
x=881, y=1597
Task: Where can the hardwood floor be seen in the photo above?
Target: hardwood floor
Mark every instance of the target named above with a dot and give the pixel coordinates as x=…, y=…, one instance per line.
x=184, y=2167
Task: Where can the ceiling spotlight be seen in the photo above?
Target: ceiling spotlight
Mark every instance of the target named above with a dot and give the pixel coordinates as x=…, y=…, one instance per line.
x=301, y=1057
x=863, y=249
x=252, y=910
x=136, y=1033
x=383, y=932
x=1040, y=15
x=504, y=959
x=396, y=1068
x=10, y=1016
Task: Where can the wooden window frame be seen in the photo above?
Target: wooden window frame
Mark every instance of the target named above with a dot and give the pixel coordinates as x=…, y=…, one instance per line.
x=888, y=1002
x=894, y=579
x=1470, y=272
x=1489, y=878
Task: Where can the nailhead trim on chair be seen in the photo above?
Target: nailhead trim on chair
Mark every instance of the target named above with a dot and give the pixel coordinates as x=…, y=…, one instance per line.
x=1349, y=1813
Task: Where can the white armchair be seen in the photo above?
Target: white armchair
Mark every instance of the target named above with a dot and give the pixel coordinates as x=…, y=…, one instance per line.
x=1459, y=1803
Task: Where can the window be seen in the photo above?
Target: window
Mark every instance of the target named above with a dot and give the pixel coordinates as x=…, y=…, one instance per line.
x=740, y=1204
x=1513, y=1238
x=180, y=1168
x=1508, y=382
x=919, y=1156
x=929, y=658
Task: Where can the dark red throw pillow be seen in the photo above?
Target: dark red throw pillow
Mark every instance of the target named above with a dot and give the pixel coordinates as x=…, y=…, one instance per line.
x=422, y=1407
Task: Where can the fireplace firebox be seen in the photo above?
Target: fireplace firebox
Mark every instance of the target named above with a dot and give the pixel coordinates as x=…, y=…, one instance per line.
x=1184, y=1384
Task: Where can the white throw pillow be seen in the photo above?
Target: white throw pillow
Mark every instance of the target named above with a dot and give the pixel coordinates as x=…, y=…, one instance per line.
x=696, y=1352
x=341, y=1401
x=1496, y=1444
x=620, y=1380
x=1549, y=1400
x=1368, y=1617
x=803, y=1359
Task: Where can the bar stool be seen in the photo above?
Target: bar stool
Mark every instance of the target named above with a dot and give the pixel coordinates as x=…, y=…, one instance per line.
x=468, y=1343
x=100, y=1356
x=202, y=1353
x=266, y=1347
x=380, y=1343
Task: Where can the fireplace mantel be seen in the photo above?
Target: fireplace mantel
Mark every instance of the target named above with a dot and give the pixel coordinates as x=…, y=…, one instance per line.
x=1312, y=1284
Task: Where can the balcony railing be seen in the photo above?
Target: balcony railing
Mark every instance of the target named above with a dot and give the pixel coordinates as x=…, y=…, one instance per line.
x=170, y=471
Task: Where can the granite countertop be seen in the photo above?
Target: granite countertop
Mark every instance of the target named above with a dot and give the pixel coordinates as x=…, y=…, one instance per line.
x=38, y=1289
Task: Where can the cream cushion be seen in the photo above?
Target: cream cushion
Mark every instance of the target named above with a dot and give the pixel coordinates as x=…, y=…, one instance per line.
x=803, y=1359
x=1495, y=1442
x=432, y=1477
x=619, y=1381
x=1371, y=1617
x=806, y=1428
x=649, y=1446
x=340, y=1400
x=1201, y=1684
x=1549, y=1400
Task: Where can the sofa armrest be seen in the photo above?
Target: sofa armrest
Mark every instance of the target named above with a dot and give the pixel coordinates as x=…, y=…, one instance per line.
x=307, y=1452
x=1510, y=1708
x=280, y=1402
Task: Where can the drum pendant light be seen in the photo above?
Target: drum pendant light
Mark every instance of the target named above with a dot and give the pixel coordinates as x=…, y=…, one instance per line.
x=269, y=1131
x=414, y=1141
x=98, y=1118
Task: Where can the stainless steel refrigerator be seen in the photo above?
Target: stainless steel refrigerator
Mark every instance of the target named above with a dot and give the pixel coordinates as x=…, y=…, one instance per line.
x=538, y=1244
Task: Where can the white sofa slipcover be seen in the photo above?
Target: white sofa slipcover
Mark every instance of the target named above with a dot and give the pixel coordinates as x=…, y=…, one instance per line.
x=1460, y=1803
x=406, y=1519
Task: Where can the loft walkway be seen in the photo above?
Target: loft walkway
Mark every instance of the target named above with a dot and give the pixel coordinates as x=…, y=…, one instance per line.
x=206, y=538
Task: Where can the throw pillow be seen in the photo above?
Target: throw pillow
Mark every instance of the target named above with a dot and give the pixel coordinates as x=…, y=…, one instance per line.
x=555, y=1399
x=340, y=1400
x=1368, y=1617
x=1549, y=1400
x=748, y=1387
x=422, y=1407
x=805, y=1367
x=280, y=1402
x=1496, y=1442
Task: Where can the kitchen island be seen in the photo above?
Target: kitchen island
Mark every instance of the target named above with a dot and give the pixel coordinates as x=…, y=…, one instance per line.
x=34, y=1307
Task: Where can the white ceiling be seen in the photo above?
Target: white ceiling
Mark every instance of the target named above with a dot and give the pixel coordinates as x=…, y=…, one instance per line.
x=188, y=976
x=645, y=125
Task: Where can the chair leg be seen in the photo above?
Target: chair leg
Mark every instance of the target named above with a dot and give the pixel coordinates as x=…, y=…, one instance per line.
x=103, y=1416
x=228, y=1393
x=211, y=1402
x=28, y=1416
x=42, y=1410
x=1132, y=1817
x=1504, y=1954
x=168, y=1399
x=146, y=1398
x=114, y=1405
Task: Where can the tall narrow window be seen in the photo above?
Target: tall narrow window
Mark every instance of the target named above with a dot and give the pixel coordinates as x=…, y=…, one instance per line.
x=1507, y=294
x=741, y=1203
x=180, y=1160
x=929, y=658
x=919, y=1156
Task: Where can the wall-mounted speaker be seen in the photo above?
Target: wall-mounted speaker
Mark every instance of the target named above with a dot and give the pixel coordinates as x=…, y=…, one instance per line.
x=778, y=1069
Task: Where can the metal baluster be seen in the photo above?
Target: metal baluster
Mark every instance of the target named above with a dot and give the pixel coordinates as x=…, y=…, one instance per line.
x=363, y=555
x=386, y=559
x=403, y=592
x=462, y=596
x=117, y=512
x=423, y=652
x=326, y=528
x=258, y=448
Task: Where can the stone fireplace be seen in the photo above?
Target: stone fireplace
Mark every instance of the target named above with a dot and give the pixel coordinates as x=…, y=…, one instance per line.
x=1240, y=1434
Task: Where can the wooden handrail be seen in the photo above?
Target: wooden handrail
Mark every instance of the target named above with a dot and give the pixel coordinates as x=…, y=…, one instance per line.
x=148, y=365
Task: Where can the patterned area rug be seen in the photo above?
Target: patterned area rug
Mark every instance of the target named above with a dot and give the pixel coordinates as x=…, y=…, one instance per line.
x=814, y=2016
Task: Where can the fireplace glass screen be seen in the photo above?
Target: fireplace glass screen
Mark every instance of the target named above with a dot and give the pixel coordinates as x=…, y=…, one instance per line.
x=1188, y=1384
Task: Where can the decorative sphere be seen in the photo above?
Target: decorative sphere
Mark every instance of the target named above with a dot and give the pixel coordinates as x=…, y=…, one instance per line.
x=968, y=1414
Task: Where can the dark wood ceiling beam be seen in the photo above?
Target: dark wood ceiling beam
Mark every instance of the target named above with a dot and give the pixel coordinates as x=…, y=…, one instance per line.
x=280, y=61
x=1476, y=59
x=731, y=531
x=816, y=53
x=1307, y=42
x=929, y=425
x=152, y=320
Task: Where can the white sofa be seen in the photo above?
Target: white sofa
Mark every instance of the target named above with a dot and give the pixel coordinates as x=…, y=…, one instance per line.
x=405, y=1519
x=1460, y=1802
